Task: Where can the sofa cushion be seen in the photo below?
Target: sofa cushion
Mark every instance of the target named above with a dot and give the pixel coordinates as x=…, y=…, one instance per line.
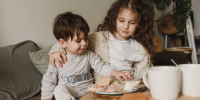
x=41, y=59
x=19, y=79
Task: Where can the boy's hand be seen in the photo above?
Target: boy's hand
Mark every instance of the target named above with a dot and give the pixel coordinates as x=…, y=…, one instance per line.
x=119, y=75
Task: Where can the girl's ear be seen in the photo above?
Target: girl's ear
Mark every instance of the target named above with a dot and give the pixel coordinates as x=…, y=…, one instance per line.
x=63, y=43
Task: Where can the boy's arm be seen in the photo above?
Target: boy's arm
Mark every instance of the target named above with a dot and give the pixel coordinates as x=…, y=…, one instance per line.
x=57, y=48
x=49, y=82
x=98, y=65
x=105, y=70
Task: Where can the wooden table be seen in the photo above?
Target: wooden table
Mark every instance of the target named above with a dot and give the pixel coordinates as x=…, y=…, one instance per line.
x=89, y=96
x=181, y=97
x=143, y=89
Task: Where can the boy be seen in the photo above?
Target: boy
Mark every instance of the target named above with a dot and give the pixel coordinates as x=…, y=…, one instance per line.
x=74, y=78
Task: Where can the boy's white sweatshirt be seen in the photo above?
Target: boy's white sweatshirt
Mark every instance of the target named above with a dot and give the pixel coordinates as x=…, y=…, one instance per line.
x=75, y=73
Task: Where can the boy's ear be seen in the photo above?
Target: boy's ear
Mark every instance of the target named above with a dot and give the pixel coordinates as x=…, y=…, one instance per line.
x=63, y=43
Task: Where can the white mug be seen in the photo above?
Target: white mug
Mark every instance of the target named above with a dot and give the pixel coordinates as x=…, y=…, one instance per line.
x=163, y=82
x=190, y=79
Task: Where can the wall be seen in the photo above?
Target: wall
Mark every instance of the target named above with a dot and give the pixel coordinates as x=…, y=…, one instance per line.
x=33, y=19
x=196, y=11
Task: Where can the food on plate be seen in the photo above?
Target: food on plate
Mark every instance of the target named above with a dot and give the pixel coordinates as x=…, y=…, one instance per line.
x=104, y=81
x=96, y=87
x=115, y=87
x=107, y=84
x=130, y=85
x=101, y=85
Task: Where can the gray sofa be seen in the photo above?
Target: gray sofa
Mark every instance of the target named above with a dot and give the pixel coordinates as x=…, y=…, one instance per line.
x=19, y=78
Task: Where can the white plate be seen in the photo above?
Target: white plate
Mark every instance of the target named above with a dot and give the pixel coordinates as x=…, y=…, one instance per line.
x=117, y=93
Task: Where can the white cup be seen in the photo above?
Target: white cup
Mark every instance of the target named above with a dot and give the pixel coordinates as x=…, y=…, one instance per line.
x=163, y=82
x=190, y=79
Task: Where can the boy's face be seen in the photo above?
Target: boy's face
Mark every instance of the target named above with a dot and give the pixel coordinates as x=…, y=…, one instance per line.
x=77, y=45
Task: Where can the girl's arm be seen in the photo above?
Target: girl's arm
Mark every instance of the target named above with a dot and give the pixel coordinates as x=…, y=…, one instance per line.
x=142, y=66
x=58, y=54
x=57, y=48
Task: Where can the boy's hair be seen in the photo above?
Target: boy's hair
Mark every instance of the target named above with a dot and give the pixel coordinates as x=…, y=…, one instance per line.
x=145, y=34
x=66, y=24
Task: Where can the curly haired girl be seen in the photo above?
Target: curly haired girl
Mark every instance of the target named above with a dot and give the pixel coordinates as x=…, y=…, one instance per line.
x=125, y=39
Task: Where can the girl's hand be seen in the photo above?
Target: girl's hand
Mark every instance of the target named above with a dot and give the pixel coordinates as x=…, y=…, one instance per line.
x=119, y=75
x=59, y=58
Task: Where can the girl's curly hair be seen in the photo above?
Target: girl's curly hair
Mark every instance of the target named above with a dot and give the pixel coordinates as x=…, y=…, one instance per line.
x=145, y=34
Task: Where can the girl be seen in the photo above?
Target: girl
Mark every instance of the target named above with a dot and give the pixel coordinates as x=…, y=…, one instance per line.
x=125, y=39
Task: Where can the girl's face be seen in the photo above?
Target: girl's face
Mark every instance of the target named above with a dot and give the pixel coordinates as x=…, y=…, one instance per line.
x=126, y=24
